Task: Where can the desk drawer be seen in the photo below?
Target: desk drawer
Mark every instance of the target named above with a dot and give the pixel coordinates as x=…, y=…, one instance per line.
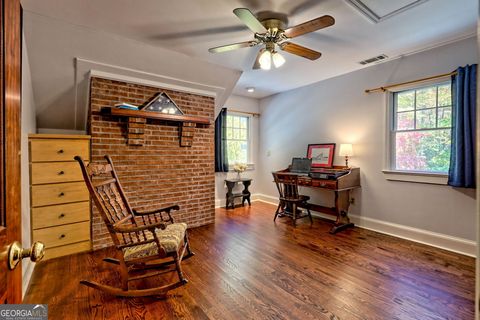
x=54, y=172
x=58, y=150
x=328, y=184
x=60, y=214
x=44, y=195
x=62, y=235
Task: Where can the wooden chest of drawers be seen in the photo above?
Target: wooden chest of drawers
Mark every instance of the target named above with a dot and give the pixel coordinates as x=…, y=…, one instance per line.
x=60, y=203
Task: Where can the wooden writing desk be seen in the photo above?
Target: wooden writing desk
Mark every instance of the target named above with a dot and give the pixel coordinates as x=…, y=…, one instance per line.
x=341, y=186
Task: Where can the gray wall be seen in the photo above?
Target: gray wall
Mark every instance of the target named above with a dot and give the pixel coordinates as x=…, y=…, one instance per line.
x=246, y=104
x=338, y=110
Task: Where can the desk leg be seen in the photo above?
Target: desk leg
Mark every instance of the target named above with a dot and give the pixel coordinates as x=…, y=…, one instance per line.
x=342, y=202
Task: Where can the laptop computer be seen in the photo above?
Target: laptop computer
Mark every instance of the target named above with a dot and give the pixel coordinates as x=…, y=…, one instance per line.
x=301, y=166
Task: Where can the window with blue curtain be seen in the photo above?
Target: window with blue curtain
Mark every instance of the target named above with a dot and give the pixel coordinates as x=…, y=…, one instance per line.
x=462, y=157
x=221, y=159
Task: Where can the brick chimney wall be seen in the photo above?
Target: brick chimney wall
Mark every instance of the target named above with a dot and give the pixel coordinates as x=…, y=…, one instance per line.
x=160, y=172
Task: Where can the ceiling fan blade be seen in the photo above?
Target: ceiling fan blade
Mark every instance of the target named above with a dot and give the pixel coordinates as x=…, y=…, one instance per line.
x=249, y=20
x=256, y=65
x=233, y=46
x=310, y=26
x=300, y=51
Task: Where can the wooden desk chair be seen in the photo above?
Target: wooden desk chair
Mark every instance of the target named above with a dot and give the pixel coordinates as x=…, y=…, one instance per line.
x=290, y=200
x=144, y=240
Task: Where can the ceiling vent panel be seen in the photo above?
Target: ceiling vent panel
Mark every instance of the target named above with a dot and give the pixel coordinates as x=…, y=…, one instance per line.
x=374, y=59
x=378, y=10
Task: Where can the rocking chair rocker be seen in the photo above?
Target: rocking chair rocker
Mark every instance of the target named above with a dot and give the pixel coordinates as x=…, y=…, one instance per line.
x=144, y=240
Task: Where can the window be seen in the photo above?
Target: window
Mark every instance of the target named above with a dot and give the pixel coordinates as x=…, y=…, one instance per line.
x=422, y=121
x=238, y=142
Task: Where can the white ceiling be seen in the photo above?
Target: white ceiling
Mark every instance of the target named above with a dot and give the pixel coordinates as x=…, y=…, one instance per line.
x=193, y=26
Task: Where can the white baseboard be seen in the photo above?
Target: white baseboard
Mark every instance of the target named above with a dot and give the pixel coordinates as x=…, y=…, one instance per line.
x=265, y=198
x=435, y=239
x=439, y=240
x=254, y=197
x=219, y=203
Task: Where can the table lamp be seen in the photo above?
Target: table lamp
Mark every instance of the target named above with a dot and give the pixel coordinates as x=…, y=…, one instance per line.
x=346, y=150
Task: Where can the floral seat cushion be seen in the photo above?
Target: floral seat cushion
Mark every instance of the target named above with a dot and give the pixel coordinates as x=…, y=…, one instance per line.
x=170, y=240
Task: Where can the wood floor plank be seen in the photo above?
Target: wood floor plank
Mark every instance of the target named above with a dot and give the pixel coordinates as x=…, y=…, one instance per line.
x=248, y=267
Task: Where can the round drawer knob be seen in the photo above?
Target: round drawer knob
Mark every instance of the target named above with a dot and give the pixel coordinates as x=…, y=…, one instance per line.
x=61, y=173
x=60, y=151
x=61, y=194
x=61, y=236
x=62, y=215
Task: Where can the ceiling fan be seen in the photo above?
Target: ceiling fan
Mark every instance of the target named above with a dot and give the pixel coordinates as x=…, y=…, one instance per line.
x=270, y=30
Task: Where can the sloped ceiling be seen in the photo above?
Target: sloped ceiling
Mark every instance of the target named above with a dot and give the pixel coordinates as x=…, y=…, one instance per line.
x=62, y=55
x=190, y=27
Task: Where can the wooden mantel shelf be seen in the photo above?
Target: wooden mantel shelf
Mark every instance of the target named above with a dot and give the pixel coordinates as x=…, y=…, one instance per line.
x=138, y=118
x=154, y=115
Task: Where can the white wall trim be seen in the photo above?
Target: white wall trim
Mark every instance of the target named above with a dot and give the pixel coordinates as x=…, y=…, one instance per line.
x=265, y=198
x=437, y=45
x=219, y=203
x=153, y=83
x=85, y=69
x=419, y=177
x=27, y=267
x=434, y=239
x=420, y=50
x=253, y=197
x=439, y=240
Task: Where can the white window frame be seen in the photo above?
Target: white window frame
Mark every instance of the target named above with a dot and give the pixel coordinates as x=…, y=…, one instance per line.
x=250, y=164
x=390, y=173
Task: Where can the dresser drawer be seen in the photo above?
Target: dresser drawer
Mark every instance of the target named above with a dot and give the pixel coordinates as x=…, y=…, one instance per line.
x=54, y=172
x=62, y=235
x=50, y=216
x=329, y=184
x=66, y=250
x=44, y=195
x=58, y=150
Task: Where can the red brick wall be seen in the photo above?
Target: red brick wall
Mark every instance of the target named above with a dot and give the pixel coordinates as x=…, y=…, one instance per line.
x=160, y=172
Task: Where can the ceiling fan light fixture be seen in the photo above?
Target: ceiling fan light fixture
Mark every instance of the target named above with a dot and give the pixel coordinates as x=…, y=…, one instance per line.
x=278, y=59
x=265, y=60
x=270, y=29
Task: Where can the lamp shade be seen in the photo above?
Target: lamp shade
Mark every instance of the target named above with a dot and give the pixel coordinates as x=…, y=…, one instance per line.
x=278, y=59
x=265, y=60
x=346, y=150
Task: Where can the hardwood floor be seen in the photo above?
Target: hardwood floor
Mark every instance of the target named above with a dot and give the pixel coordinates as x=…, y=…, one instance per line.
x=247, y=267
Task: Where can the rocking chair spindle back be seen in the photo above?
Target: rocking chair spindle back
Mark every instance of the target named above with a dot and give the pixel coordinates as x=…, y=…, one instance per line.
x=140, y=237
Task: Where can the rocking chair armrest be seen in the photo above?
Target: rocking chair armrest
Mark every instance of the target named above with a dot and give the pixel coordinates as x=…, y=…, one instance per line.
x=150, y=227
x=160, y=210
x=166, y=209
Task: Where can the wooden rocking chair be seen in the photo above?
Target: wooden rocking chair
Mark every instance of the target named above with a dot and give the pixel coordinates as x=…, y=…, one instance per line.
x=144, y=240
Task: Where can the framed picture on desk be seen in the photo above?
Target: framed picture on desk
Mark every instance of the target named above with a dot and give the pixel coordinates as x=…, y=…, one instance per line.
x=321, y=154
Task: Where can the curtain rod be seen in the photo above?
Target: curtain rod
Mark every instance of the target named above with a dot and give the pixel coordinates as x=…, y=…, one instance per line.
x=383, y=89
x=244, y=112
